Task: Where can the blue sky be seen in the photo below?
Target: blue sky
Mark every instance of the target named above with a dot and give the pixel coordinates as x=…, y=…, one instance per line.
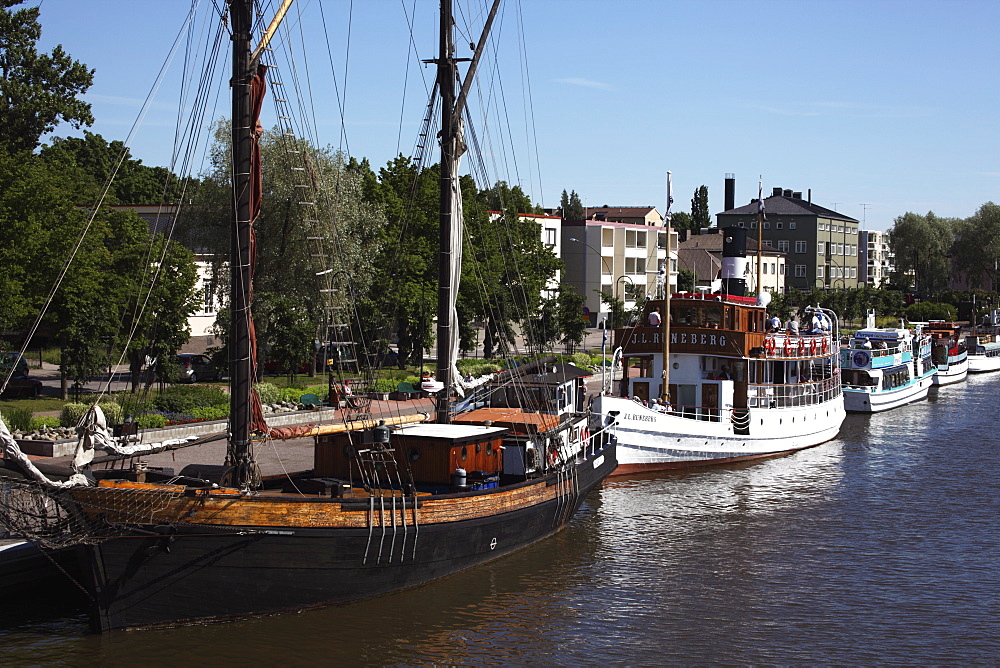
x=888, y=103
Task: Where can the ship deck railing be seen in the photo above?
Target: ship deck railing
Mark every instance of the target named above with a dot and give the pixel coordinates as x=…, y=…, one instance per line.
x=797, y=346
x=793, y=395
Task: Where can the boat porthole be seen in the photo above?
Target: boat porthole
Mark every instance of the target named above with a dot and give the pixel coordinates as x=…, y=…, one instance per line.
x=489, y=449
x=413, y=454
x=479, y=448
x=493, y=543
x=762, y=422
x=781, y=420
x=465, y=453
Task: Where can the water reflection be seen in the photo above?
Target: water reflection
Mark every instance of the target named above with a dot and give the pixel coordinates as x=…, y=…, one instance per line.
x=881, y=546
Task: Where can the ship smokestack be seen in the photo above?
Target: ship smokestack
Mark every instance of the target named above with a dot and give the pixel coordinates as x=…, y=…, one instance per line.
x=730, y=192
x=734, y=261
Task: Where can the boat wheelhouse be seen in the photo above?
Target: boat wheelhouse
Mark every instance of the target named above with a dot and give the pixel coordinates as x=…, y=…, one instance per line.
x=948, y=352
x=738, y=391
x=886, y=367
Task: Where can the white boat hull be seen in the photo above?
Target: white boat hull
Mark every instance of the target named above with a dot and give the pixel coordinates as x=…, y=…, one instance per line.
x=649, y=440
x=953, y=372
x=864, y=401
x=983, y=364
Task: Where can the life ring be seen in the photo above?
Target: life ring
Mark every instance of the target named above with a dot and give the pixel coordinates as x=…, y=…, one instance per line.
x=802, y=346
x=769, y=345
x=813, y=344
x=553, y=456
x=826, y=345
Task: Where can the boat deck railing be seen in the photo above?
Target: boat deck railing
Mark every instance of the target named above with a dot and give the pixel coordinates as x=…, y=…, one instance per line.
x=792, y=395
x=782, y=344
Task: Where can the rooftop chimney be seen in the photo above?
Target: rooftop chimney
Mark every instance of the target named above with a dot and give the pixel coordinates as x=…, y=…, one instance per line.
x=797, y=195
x=730, y=192
x=776, y=192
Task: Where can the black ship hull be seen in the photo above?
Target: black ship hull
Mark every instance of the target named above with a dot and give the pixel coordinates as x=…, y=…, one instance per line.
x=199, y=573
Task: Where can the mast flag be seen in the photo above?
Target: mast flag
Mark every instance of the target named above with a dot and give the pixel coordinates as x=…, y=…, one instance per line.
x=760, y=199
x=667, y=217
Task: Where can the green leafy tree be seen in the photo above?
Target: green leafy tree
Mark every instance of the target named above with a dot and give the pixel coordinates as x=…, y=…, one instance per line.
x=681, y=220
x=685, y=280
x=571, y=206
x=543, y=329
x=37, y=90
x=700, y=215
x=88, y=162
x=570, y=315
x=616, y=310
x=922, y=245
x=977, y=246
x=318, y=234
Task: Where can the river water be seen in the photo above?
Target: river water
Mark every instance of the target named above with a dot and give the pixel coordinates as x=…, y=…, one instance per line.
x=878, y=547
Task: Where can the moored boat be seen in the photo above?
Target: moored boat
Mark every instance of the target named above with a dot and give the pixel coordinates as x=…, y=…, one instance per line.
x=384, y=507
x=984, y=352
x=737, y=391
x=948, y=352
x=885, y=368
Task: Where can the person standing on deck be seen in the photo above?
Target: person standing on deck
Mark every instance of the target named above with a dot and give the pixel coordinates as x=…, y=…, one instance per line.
x=654, y=318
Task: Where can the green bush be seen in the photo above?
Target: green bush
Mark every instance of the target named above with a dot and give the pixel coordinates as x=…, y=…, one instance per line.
x=18, y=419
x=924, y=311
x=580, y=359
x=182, y=398
x=151, y=421
x=113, y=413
x=291, y=393
x=43, y=421
x=71, y=414
x=209, y=412
x=269, y=392
x=385, y=385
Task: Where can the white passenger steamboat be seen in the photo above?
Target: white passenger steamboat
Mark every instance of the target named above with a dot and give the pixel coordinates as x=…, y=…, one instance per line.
x=737, y=391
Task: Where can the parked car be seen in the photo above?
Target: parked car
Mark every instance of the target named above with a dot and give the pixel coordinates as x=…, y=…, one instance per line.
x=21, y=384
x=196, y=367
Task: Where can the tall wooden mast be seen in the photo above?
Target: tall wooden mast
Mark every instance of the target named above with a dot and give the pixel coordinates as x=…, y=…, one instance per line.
x=446, y=73
x=452, y=147
x=238, y=453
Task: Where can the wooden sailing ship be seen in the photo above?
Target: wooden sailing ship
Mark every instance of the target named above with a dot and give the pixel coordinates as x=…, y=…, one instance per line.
x=382, y=509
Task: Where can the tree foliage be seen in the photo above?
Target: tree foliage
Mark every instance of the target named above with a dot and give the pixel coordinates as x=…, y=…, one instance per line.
x=571, y=206
x=37, y=90
x=922, y=245
x=700, y=215
x=977, y=246
x=88, y=163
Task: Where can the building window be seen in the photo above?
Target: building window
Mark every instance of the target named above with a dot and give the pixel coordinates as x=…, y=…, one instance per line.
x=635, y=239
x=800, y=271
x=791, y=226
x=550, y=236
x=781, y=268
x=661, y=240
x=854, y=272
x=635, y=266
x=783, y=245
x=778, y=226
x=608, y=237
x=819, y=271
x=767, y=226
x=753, y=226
x=800, y=246
x=822, y=227
x=821, y=248
x=772, y=268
